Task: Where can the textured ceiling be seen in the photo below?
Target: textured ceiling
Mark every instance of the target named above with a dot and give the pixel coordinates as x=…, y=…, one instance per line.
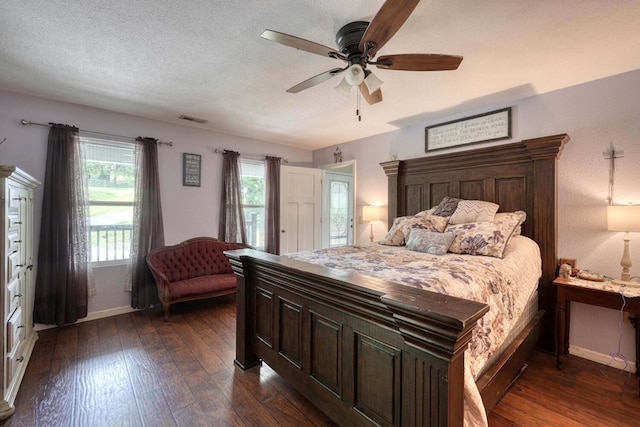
x=162, y=58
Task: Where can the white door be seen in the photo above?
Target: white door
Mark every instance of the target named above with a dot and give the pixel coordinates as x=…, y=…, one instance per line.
x=300, y=209
x=337, y=212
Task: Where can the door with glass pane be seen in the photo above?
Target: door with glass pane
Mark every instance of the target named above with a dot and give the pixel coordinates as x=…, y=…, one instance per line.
x=337, y=224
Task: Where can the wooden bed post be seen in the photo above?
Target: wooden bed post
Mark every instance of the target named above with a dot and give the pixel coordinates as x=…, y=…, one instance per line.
x=391, y=169
x=245, y=358
x=545, y=153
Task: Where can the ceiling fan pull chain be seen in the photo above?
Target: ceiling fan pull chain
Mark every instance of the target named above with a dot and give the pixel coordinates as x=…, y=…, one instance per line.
x=358, y=104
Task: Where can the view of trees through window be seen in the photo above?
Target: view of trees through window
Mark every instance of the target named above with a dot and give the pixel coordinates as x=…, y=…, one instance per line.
x=253, y=200
x=110, y=174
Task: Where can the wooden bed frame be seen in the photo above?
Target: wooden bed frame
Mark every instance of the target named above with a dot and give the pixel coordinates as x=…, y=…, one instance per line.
x=367, y=351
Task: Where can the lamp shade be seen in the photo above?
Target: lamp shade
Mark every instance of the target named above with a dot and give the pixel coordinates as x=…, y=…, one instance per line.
x=373, y=83
x=354, y=75
x=344, y=87
x=370, y=213
x=623, y=218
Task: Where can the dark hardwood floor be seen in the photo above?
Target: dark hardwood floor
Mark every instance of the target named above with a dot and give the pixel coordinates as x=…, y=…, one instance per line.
x=136, y=370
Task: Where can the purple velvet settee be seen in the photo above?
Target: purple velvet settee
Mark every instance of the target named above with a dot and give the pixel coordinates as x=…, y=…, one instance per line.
x=194, y=269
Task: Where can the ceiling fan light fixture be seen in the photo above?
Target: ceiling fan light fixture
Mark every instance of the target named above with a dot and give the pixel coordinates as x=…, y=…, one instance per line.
x=344, y=87
x=372, y=82
x=355, y=75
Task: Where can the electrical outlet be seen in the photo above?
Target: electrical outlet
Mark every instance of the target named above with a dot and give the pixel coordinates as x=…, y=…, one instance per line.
x=630, y=317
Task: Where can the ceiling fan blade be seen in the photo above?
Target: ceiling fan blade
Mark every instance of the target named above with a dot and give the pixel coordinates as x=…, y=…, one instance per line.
x=302, y=44
x=315, y=80
x=387, y=21
x=419, y=62
x=371, y=98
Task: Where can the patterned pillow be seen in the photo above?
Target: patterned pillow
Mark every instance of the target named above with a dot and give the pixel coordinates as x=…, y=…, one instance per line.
x=429, y=223
x=395, y=236
x=473, y=211
x=482, y=238
x=521, y=216
x=421, y=240
x=402, y=226
x=447, y=206
x=426, y=213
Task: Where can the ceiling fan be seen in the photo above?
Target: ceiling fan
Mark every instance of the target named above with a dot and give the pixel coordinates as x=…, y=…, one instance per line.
x=358, y=42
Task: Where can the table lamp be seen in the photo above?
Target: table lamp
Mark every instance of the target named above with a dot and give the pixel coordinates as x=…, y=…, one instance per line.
x=624, y=218
x=370, y=214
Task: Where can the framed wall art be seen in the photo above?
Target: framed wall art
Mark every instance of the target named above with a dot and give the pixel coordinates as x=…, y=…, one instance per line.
x=191, y=166
x=491, y=126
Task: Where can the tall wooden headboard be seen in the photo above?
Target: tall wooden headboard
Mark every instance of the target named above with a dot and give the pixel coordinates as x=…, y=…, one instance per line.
x=517, y=176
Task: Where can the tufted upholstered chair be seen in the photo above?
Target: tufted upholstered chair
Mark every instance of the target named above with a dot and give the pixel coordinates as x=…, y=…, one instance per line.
x=194, y=269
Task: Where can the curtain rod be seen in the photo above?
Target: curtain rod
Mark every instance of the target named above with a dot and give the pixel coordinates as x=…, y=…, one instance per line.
x=25, y=122
x=248, y=156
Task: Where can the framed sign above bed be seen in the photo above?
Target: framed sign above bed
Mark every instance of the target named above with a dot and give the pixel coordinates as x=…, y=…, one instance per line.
x=492, y=126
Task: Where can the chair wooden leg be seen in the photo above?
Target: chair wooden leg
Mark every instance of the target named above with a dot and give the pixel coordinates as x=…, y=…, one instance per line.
x=165, y=309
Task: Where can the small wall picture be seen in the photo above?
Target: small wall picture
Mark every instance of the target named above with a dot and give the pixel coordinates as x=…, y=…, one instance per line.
x=191, y=164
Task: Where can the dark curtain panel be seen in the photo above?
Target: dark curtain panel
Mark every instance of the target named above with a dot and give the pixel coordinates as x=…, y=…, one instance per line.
x=231, y=228
x=148, y=231
x=272, y=206
x=61, y=281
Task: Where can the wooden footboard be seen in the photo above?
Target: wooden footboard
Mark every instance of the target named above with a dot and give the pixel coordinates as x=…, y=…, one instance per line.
x=363, y=350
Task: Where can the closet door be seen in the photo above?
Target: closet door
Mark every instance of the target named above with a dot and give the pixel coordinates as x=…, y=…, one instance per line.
x=300, y=209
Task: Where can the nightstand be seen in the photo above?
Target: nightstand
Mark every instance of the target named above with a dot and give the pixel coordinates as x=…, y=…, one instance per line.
x=603, y=294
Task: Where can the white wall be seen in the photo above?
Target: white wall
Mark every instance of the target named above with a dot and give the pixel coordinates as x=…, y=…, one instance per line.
x=187, y=211
x=596, y=115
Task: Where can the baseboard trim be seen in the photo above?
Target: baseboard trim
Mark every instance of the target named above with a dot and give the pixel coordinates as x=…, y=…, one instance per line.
x=604, y=359
x=93, y=316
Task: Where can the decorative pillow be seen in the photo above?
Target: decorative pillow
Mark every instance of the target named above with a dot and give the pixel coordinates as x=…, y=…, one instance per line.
x=426, y=213
x=473, y=211
x=421, y=240
x=521, y=216
x=482, y=238
x=447, y=206
x=429, y=223
x=402, y=226
x=395, y=236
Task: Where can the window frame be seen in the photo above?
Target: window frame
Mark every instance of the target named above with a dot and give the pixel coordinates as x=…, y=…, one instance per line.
x=263, y=206
x=112, y=143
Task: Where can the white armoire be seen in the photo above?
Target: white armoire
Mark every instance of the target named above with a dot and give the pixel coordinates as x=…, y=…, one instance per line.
x=17, y=279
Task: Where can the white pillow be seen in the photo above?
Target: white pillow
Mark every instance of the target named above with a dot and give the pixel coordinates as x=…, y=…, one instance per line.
x=473, y=211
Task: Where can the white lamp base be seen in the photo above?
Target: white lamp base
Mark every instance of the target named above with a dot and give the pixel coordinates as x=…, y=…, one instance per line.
x=371, y=234
x=625, y=262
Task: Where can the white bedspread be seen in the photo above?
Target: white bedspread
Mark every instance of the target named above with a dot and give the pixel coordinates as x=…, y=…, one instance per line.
x=503, y=284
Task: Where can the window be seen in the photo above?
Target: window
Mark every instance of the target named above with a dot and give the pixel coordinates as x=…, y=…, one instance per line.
x=339, y=225
x=110, y=177
x=253, y=199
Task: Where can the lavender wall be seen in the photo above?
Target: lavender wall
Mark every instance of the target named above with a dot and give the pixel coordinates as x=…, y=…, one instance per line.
x=187, y=211
x=596, y=115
